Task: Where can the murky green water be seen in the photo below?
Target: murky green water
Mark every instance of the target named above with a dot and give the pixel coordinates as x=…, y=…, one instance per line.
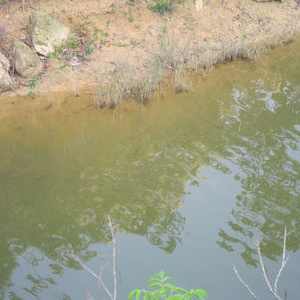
x=184, y=178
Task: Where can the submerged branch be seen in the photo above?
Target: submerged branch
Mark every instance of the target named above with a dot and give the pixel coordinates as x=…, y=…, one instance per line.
x=112, y=296
x=113, y=257
x=272, y=289
x=243, y=282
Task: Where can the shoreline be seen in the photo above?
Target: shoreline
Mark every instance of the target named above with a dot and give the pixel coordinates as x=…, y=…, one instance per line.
x=142, y=48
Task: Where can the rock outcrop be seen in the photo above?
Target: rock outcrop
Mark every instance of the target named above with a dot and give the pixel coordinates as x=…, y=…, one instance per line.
x=27, y=62
x=6, y=83
x=46, y=31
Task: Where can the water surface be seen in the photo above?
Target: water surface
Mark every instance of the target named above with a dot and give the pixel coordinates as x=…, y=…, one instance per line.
x=184, y=178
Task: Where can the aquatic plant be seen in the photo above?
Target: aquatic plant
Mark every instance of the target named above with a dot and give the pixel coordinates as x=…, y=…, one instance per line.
x=165, y=290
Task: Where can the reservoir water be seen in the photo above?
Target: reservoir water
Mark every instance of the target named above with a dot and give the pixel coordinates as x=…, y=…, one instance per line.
x=184, y=178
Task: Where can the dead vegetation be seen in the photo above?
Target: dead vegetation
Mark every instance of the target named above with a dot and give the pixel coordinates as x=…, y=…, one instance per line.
x=179, y=62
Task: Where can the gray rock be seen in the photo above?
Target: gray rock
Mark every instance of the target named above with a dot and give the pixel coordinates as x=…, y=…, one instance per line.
x=46, y=32
x=27, y=62
x=6, y=83
x=4, y=62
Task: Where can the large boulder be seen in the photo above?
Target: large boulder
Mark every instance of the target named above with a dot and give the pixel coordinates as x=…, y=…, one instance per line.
x=27, y=62
x=46, y=32
x=6, y=83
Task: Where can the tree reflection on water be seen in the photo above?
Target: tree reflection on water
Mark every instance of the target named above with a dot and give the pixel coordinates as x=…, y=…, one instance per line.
x=263, y=140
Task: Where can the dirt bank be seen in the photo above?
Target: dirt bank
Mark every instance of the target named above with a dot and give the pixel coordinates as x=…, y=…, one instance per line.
x=136, y=48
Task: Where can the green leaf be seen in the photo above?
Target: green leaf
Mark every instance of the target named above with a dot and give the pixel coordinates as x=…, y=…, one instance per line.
x=148, y=296
x=179, y=289
x=169, y=278
x=135, y=294
x=176, y=297
x=132, y=294
x=200, y=294
x=161, y=274
x=154, y=277
x=170, y=286
x=159, y=293
x=154, y=284
x=188, y=297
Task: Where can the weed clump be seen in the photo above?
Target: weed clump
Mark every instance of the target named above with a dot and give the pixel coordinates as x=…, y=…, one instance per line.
x=76, y=48
x=163, y=6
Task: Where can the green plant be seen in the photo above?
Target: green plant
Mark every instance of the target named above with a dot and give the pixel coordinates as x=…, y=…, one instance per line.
x=137, y=43
x=31, y=82
x=72, y=43
x=113, y=9
x=103, y=42
x=120, y=44
x=164, y=29
x=90, y=49
x=54, y=53
x=104, y=34
x=165, y=290
x=76, y=47
x=162, y=6
x=137, y=26
x=64, y=66
x=130, y=19
x=96, y=28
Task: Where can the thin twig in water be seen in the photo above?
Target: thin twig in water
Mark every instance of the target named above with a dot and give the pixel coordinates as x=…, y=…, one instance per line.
x=263, y=269
x=243, y=282
x=113, y=257
x=285, y=259
x=112, y=296
x=93, y=274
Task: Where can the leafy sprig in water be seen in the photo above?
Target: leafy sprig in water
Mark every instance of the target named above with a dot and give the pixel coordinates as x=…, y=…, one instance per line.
x=165, y=290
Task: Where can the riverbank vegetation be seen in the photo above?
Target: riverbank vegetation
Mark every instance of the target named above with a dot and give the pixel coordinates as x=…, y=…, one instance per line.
x=129, y=47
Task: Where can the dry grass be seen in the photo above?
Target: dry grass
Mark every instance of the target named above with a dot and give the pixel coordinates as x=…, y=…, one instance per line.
x=130, y=81
x=179, y=61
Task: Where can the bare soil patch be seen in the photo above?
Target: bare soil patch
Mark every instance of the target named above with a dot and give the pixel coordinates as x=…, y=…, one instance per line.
x=138, y=47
